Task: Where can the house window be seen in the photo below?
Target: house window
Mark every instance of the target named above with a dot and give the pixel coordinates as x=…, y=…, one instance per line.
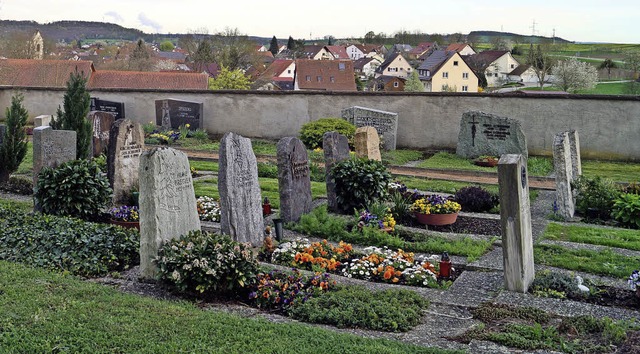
x=455, y=63
x=341, y=66
x=395, y=84
x=289, y=71
x=389, y=69
x=319, y=78
x=308, y=77
x=444, y=87
x=445, y=75
x=332, y=78
x=465, y=88
x=512, y=66
x=465, y=75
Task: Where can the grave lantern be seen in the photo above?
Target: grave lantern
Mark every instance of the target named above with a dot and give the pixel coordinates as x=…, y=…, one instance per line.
x=445, y=265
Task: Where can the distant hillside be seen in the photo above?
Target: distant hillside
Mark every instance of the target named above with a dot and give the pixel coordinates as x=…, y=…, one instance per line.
x=488, y=36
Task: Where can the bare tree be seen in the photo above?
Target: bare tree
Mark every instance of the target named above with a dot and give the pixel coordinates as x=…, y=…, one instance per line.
x=541, y=63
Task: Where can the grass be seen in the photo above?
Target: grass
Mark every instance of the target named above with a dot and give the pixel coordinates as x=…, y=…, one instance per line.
x=21, y=206
x=619, y=88
x=629, y=239
x=537, y=166
x=606, y=262
x=26, y=167
x=616, y=171
x=268, y=187
x=400, y=157
x=204, y=165
x=442, y=186
x=50, y=312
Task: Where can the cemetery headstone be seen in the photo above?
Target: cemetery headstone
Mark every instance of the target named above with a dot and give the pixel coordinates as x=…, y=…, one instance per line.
x=126, y=144
x=42, y=121
x=515, y=220
x=240, y=201
x=167, y=203
x=51, y=148
x=386, y=123
x=563, y=168
x=336, y=149
x=576, y=161
x=294, y=180
x=488, y=134
x=115, y=108
x=172, y=113
x=367, y=143
x=100, y=126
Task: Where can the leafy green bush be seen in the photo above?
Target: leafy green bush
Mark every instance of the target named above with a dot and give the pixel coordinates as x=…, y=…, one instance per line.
x=18, y=185
x=626, y=209
x=558, y=282
x=76, y=188
x=476, y=199
x=204, y=262
x=594, y=193
x=311, y=133
x=359, y=182
x=358, y=307
x=62, y=243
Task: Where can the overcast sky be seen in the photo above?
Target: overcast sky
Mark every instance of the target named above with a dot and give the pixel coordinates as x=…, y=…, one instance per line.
x=582, y=21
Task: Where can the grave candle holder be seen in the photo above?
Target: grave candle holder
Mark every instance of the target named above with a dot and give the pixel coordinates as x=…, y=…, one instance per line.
x=266, y=207
x=445, y=266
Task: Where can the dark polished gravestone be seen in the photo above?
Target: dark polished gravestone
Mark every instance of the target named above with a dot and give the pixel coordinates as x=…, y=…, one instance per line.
x=100, y=126
x=115, y=108
x=294, y=179
x=172, y=113
x=386, y=123
x=488, y=134
x=240, y=199
x=336, y=149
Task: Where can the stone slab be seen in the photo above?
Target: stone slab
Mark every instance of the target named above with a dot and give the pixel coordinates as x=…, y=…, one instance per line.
x=294, y=179
x=100, y=126
x=336, y=149
x=52, y=148
x=113, y=107
x=42, y=121
x=172, y=113
x=167, y=203
x=240, y=198
x=126, y=144
x=367, y=143
x=488, y=134
x=563, y=170
x=386, y=123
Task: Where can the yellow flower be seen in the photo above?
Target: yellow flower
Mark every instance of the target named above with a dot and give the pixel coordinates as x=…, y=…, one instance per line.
x=187, y=125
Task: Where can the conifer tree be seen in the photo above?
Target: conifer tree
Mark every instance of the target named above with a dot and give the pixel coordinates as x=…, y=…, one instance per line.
x=291, y=44
x=76, y=104
x=273, y=48
x=14, y=142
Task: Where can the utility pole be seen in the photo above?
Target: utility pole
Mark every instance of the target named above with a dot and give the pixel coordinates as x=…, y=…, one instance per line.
x=533, y=28
x=554, y=36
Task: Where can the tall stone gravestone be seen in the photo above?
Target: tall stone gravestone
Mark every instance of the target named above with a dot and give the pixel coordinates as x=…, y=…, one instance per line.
x=487, y=134
x=240, y=201
x=51, y=148
x=386, y=123
x=167, y=203
x=567, y=168
x=172, y=113
x=115, y=108
x=367, y=143
x=126, y=144
x=42, y=121
x=100, y=126
x=294, y=180
x=336, y=149
x=515, y=220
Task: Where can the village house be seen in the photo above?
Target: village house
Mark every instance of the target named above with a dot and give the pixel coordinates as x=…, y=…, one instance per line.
x=395, y=65
x=357, y=51
x=447, y=71
x=495, y=64
x=462, y=48
x=387, y=83
x=324, y=75
x=366, y=67
x=524, y=74
x=422, y=49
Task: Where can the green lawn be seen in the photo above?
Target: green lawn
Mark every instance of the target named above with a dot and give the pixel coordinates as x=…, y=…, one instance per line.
x=26, y=167
x=621, y=238
x=538, y=166
x=45, y=312
x=435, y=185
x=200, y=165
x=400, y=156
x=618, y=88
x=616, y=171
x=604, y=262
x=22, y=206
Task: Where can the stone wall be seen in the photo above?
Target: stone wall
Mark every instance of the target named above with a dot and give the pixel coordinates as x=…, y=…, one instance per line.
x=609, y=125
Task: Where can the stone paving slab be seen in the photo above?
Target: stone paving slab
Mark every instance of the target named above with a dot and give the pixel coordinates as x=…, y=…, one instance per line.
x=590, y=247
x=473, y=288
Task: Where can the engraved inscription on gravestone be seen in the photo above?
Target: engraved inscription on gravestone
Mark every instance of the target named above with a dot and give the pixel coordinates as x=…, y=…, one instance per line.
x=386, y=123
x=172, y=113
x=115, y=108
x=488, y=134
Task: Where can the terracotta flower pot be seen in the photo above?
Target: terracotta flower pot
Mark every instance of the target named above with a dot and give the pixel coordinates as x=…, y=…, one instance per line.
x=126, y=224
x=488, y=163
x=437, y=219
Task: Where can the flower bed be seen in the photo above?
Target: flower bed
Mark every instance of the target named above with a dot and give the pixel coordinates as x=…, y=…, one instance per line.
x=208, y=209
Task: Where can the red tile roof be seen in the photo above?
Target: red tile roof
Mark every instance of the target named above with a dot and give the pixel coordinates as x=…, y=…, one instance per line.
x=338, y=52
x=456, y=47
x=40, y=73
x=276, y=68
x=148, y=80
x=318, y=74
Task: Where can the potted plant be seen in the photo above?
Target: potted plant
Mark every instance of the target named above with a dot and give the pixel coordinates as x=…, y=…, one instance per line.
x=634, y=282
x=435, y=210
x=387, y=223
x=486, y=161
x=125, y=216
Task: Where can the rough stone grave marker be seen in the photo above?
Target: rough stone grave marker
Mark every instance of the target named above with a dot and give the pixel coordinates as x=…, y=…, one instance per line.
x=52, y=148
x=126, y=144
x=564, y=169
x=386, y=123
x=115, y=108
x=336, y=149
x=367, y=143
x=515, y=220
x=167, y=203
x=172, y=113
x=294, y=180
x=240, y=201
x=576, y=161
x=488, y=134
x=42, y=121
x=100, y=126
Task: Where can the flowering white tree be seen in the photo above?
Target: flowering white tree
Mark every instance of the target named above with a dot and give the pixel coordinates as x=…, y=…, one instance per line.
x=574, y=75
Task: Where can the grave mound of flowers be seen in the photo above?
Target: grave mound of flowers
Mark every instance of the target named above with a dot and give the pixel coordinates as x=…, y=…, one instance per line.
x=373, y=264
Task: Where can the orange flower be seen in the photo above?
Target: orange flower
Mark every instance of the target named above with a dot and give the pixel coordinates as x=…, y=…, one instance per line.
x=265, y=294
x=388, y=273
x=398, y=273
x=395, y=280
